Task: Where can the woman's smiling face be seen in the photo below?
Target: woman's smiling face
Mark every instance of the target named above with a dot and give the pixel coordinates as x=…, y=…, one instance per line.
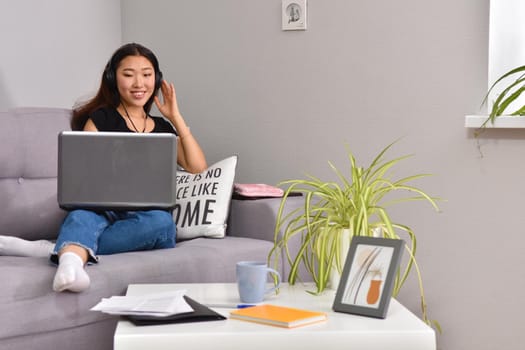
x=135, y=80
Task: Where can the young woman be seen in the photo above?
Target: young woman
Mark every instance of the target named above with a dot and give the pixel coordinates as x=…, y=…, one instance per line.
x=129, y=87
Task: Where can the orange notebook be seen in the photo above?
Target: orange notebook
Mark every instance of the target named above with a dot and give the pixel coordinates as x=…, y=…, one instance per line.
x=280, y=316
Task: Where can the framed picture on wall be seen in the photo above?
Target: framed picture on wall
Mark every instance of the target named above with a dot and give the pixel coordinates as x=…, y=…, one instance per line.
x=367, y=279
x=294, y=14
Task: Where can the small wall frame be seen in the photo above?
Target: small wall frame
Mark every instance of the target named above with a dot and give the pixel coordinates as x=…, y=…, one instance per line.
x=294, y=16
x=367, y=280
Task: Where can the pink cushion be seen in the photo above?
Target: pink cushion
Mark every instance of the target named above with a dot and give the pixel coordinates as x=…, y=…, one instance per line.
x=257, y=190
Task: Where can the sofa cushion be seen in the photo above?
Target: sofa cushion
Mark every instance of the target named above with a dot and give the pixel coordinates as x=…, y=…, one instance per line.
x=28, y=175
x=203, y=200
x=32, y=307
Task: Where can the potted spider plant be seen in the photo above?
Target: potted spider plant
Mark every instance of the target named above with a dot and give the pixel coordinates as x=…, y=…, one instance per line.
x=508, y=95
x=334, y=212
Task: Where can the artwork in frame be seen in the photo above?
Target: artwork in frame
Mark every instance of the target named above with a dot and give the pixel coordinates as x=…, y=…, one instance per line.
x=367, y=279
x=294, y=14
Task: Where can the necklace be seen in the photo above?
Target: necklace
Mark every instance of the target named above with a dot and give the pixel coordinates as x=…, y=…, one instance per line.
x=131, y=120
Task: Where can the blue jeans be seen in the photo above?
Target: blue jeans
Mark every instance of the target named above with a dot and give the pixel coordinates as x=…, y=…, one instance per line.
x=113, y=232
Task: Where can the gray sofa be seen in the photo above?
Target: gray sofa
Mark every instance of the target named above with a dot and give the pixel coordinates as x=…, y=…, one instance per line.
x=32, y=315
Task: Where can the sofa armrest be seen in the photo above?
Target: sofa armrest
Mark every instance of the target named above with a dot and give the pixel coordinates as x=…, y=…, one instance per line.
x=256, y=218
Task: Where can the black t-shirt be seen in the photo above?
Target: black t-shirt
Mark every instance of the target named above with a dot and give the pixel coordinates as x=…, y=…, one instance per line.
x=109, y=119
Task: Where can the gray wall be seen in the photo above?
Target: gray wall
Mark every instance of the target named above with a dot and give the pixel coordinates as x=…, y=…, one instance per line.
x=364, y=74
x=53, y=51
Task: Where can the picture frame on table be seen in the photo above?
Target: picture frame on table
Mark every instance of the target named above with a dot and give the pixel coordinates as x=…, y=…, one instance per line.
x=367, y=280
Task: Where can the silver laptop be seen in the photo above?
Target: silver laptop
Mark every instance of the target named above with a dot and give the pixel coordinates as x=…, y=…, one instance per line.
x=116, y=170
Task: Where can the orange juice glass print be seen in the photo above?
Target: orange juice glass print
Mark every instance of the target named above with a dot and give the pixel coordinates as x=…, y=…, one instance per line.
x=365, y=282
x=374, y=290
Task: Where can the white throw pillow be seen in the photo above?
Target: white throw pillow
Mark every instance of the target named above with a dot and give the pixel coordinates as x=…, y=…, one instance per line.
x=203, y=200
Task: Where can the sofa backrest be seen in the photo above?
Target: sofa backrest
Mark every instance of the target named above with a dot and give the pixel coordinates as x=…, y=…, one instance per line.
x=28, y=171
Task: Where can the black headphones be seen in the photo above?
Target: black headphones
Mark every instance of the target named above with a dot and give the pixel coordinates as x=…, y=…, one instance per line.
x=110, y=76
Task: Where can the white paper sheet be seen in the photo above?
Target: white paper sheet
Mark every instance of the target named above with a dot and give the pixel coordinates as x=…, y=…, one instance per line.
x=158, y=304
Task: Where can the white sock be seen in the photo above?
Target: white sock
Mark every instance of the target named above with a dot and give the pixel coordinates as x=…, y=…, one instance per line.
x=70, y=274
x=14, y=246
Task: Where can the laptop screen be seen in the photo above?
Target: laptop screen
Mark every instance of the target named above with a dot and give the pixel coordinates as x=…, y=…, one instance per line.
x=116, y=170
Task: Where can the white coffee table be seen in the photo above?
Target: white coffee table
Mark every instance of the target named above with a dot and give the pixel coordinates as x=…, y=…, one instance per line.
x=400, y=330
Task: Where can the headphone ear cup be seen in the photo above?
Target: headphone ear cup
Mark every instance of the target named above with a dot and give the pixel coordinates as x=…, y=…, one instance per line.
x=110, y=80
x=109, y=75
x=158, y=79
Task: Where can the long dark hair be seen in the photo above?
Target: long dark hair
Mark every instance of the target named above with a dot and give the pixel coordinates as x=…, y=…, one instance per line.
x=108, y=95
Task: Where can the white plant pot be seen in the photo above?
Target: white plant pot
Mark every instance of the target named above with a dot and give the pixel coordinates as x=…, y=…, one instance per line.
x=346, y=238
x=335, y=275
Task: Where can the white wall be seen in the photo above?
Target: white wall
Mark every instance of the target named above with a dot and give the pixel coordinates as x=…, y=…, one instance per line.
x=54, y=51
x=364, y=73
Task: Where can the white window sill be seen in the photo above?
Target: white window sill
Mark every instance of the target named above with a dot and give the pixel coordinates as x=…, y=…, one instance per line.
x=475, y=121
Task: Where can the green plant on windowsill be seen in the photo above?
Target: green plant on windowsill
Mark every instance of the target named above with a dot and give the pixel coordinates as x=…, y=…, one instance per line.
x=509, y=94
x=357, y=206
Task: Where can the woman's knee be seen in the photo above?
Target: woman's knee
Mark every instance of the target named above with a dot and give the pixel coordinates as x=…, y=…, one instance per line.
x=165, y=226
x=80, y=215
x=161, y=218
x=163, y=222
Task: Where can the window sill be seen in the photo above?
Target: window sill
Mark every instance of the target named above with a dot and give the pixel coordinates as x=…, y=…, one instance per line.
x=475, y=121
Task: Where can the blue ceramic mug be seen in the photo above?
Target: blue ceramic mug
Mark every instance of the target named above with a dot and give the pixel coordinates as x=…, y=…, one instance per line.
x=252, y=279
